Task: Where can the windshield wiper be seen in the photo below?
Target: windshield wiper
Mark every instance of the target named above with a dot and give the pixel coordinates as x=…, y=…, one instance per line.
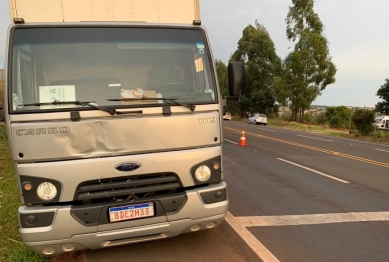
x=58, y=103
x=111, y=111
x=171, y=100
x=92, y=104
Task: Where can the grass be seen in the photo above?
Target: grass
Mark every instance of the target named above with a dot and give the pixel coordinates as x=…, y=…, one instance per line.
x=12, y=247
x=377, y=136
x=321, y=129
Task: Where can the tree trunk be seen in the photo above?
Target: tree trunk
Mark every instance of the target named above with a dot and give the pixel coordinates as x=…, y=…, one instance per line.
x=294, y=114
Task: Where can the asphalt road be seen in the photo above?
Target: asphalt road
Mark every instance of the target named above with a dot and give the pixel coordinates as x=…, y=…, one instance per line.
x=294, y=196
x=308, y=197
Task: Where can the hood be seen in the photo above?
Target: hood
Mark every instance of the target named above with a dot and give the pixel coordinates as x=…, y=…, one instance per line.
x=57, y=140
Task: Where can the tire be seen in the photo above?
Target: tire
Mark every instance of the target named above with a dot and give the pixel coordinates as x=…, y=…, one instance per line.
x=255, y=123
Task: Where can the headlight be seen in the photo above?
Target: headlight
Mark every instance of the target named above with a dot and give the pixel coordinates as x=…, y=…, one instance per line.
x=203, y=173
x=46, y=191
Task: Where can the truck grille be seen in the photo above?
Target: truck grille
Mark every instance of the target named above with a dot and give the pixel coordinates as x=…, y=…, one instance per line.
x=127, y=188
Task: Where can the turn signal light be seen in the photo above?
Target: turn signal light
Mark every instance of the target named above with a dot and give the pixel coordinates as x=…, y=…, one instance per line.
x=27, y=186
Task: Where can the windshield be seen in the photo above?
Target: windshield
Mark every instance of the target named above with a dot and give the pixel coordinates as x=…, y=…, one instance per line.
x=109, y=67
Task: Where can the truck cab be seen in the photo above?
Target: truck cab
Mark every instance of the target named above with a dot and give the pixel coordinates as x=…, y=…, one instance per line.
x=114, y=128
x=382, y=123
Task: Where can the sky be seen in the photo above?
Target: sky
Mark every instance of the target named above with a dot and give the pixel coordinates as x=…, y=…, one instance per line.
x=357, y=31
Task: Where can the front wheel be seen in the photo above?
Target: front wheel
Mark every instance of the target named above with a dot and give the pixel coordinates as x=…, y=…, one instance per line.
x=255, y=122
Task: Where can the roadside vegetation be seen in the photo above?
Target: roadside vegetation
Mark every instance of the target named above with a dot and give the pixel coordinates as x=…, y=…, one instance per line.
x=375, y=136
x=11, y=245
x=334, y=121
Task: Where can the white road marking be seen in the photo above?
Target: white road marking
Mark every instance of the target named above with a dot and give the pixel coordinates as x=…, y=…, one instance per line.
x=316, y=138
x=313, y=219
x=317, y=172
x=263, y=253
x=231, y=141
x=239, y=224
x=382, y=150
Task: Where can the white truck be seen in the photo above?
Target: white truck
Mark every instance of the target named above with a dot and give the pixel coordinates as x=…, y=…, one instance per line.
x=114, y=122
x=382, y=123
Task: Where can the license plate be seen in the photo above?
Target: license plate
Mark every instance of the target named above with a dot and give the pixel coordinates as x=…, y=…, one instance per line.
x=131, y=212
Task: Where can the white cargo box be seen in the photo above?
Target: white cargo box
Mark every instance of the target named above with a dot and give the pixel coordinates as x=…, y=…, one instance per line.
x=158, y=11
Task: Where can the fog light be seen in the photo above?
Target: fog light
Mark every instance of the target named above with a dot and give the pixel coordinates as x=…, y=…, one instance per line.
x=48, y=251
x=30, y=220
x=216, y=166
x=203, y=173
x=211, y=225
x=68, y=247
x=218, y=194
x=195, y=227
x=46, y=191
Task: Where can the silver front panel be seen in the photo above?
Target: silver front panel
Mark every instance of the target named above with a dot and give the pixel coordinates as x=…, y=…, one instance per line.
x=91, y=138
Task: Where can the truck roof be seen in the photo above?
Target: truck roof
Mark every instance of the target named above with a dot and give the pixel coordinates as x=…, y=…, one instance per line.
x=155, y=11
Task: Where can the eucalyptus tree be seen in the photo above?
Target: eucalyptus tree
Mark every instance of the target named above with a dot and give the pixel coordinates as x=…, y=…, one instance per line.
x=308, y=68
x=256, y=49
x=383, y=93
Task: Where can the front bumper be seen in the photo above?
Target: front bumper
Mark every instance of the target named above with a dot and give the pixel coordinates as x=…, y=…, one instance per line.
x=66, y=234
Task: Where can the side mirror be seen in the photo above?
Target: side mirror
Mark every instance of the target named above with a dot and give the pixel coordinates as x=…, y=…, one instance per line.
x=236, y=78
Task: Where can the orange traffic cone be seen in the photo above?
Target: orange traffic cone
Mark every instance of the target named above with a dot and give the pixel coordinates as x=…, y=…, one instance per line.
x=243, y=139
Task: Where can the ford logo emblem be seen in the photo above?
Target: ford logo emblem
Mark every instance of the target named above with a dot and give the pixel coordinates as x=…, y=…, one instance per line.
x=127, y=167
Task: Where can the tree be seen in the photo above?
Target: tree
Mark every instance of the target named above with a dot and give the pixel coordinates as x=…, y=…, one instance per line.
x=338, y=116
x=308, y=68
x=363, y=119
x=222, y=75
x=383, y=93
x=256, y=49
x=240, y=55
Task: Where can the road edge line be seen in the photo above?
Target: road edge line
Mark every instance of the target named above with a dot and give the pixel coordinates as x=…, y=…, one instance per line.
x=261, y=251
